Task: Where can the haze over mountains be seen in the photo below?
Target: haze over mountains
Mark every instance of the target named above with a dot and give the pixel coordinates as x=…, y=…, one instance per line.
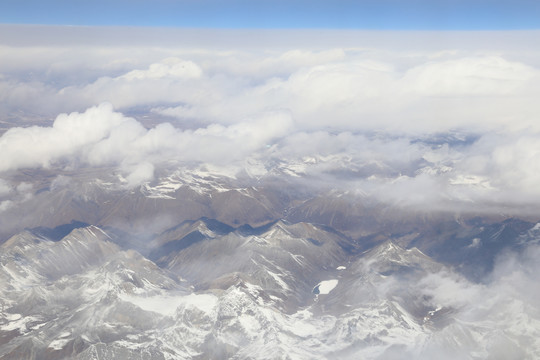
x=182, y=199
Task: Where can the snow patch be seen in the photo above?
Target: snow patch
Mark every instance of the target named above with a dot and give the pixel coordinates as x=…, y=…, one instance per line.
x=278, y=280
x=249, y=323
x=298, y=259
x=13, y=317
x=59, y=344
x=324, y=287
x=167, y=305
x=18, y=322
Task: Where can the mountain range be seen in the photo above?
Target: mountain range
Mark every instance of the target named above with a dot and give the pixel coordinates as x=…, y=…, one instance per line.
x=200, y=267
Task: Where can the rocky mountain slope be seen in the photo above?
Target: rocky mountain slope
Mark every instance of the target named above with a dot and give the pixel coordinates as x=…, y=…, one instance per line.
x=208, y=290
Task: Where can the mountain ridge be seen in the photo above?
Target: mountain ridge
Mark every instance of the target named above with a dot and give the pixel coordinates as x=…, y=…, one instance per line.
x=256, y=302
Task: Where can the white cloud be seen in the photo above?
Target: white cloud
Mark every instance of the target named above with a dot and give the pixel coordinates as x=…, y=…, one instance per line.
x=171, y=80
x=69, y=136
x=498, y=318
x=100, y=136
x=5, y=205
x=355, y=103
x=13, y=195
x=470, y=76
x=356, y=93
x=168, y=68
x=59, y=182
x=5, y=188
x=24, y=187
x=139, y=174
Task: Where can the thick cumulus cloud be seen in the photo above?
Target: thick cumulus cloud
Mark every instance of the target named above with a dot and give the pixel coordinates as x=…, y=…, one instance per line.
x=168, y=81
x=102, y=137
x=433, y=124
x=70, y=135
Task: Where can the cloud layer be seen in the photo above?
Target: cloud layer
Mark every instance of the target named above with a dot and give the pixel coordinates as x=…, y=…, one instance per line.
x=423, y=124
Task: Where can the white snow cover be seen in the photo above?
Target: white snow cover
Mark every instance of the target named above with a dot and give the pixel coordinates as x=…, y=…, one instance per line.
x=58, y=344
x=326, y=286
x=17, y=322
x=167, y=304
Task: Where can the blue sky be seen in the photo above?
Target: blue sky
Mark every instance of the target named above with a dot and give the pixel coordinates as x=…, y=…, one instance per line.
x=344, y=14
